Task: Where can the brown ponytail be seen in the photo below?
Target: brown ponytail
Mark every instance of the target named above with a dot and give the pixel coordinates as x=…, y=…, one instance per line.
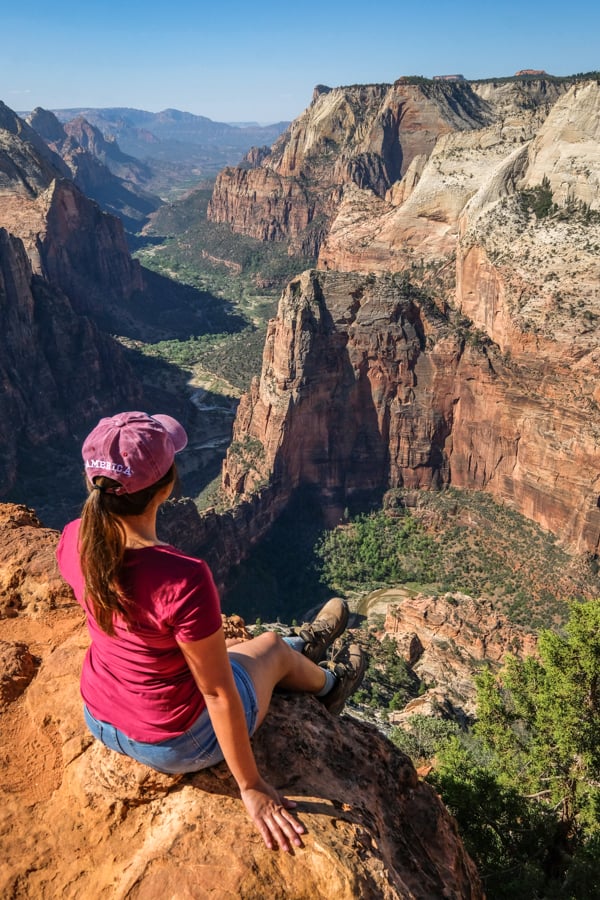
x=102, y=545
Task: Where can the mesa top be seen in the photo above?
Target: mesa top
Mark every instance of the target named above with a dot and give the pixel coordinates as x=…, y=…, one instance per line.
x=138, y=679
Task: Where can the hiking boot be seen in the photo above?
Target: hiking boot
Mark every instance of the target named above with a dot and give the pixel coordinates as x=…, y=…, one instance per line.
x=324, y=629
x=349, y=668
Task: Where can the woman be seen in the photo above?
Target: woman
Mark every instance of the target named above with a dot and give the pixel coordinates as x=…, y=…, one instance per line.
x=159, y=682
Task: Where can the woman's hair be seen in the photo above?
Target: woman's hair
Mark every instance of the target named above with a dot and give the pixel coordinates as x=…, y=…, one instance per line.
x=102, y=544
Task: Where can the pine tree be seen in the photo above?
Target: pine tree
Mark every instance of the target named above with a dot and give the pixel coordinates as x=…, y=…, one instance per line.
x=526, y=788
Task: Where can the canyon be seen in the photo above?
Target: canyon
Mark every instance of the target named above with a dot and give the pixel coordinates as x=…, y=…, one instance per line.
x=476, y=364
x=69, y=288
x=447, y=336
x=98, y=167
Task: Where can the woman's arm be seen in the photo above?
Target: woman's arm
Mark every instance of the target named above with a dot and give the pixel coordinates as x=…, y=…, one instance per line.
x=209, y=663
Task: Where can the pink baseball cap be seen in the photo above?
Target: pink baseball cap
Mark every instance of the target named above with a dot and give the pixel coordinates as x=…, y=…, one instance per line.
x=133, y=448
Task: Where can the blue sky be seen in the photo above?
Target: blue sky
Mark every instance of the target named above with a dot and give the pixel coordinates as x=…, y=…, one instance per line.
x=246, y=61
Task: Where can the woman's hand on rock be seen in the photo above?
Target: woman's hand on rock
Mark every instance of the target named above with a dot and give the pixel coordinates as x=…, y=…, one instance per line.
x=270, y=812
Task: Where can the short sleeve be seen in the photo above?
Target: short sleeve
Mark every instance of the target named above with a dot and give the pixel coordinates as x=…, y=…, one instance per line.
x=196, y=614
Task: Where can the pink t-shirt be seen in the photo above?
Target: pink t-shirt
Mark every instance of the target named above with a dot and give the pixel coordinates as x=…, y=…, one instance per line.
x=138, y=679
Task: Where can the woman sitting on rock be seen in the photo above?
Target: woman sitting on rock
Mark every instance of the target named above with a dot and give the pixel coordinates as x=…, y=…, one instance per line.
x=159, y=682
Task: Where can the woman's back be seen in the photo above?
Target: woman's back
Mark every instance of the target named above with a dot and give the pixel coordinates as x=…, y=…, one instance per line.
x=138, y=675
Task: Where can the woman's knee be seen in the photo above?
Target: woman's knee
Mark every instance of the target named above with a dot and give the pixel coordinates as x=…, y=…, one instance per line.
x=269, y=642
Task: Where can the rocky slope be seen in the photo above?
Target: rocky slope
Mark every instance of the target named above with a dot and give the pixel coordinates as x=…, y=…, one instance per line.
x=445, y=640
x=64, y=268
x=373, y=829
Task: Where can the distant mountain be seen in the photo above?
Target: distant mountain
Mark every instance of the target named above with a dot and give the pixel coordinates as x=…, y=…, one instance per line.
x=175, y=125
x=179, y=147
x=99, y=167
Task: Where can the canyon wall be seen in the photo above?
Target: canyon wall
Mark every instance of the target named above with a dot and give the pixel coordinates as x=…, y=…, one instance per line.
x=366, y=138
x=368, y=384
x=98, y=168
x=479, y=365
x=57, y=369
x=64, y=268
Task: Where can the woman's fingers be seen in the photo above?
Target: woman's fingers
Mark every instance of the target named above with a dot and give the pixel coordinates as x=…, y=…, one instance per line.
x=285, y=829
x=269, y=812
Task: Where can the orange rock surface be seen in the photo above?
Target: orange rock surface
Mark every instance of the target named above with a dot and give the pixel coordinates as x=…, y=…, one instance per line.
x=79, y=820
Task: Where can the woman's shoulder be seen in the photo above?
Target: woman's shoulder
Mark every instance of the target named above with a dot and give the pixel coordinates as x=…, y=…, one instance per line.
x=69, y=537
x=67, y=554
x=169, y=559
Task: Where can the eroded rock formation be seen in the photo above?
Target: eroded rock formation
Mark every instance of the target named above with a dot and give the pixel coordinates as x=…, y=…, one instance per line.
x=77, y=819
x=445, y=640
x=367, y=384
x=369, y=138
x=98, y=167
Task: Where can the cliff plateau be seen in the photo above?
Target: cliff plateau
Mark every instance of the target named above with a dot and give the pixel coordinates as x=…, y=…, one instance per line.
x=78, y=819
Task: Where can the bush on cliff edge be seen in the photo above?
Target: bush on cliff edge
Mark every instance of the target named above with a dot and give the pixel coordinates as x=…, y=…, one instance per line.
x=525, y=784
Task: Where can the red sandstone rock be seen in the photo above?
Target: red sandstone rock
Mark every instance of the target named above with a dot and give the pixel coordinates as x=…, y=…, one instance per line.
x=17, y=668
x=79, y=820
x=445, y=640
x=363, y=387
x=30, y=582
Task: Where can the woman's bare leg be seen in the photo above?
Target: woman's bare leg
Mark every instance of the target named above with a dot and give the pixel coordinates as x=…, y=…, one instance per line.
x=270, y=661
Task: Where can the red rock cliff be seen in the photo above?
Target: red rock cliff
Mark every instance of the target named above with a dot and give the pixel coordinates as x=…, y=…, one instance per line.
x=367, y=384
x=54, y=367
x=366, y=135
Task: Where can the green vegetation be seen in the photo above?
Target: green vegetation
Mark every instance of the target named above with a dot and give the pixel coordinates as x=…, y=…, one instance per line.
x=184, y=354
x=246, y=274
x=524, y=785
x=556, y=79
x=457, y=541
x=388, y=683
x=210, y=256
x=231, y=358
x=539, y=200
x=375, y=550
x=424, y=736
x=237, y=358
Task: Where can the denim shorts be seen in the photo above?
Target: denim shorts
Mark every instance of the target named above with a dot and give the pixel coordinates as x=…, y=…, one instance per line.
x=197, y=748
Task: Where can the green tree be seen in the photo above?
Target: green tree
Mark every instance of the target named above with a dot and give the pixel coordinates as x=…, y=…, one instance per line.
x=526, y=792
x=423, y=736
x=375, y=549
